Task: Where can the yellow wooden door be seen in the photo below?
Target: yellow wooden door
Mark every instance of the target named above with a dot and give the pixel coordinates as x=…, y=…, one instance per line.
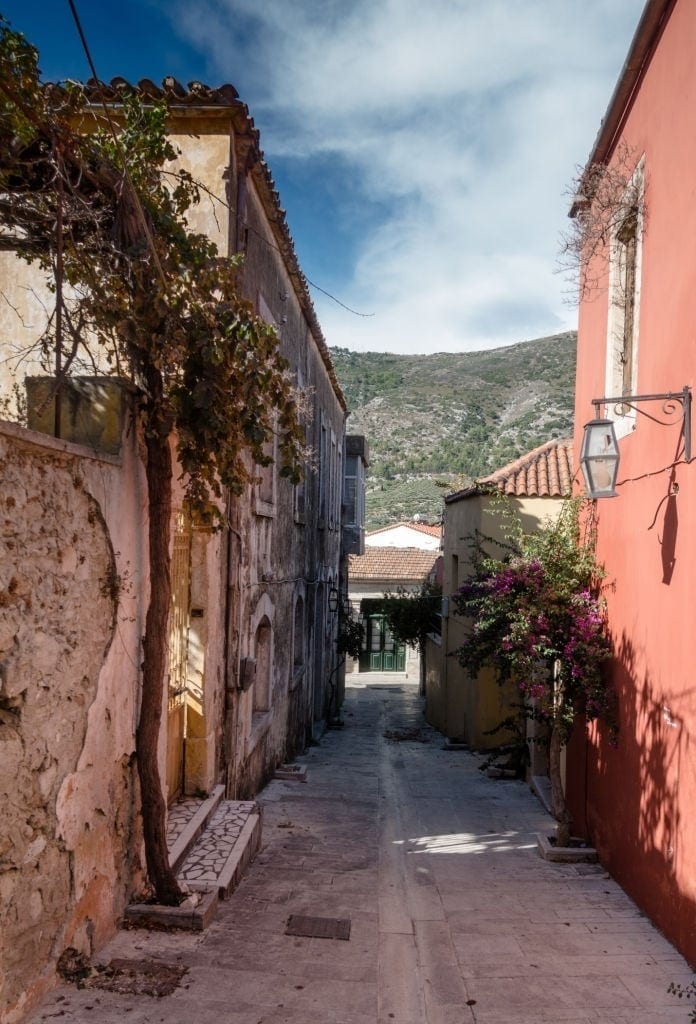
x=178, y=654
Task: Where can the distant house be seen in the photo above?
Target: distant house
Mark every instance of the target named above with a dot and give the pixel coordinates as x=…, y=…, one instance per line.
x=636, y=336
x=461, y=707
x=382, y=570
x=410, y=534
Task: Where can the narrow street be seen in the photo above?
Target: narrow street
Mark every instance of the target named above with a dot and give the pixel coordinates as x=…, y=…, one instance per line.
x=454, y=917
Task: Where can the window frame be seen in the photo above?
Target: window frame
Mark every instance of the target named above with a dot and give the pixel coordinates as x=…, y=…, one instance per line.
x=623, y=313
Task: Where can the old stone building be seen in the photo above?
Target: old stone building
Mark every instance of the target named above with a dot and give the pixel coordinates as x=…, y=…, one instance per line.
x=251, y=634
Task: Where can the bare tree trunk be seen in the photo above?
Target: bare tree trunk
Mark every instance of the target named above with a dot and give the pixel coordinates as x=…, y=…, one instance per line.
x=159, y=490
x=558, y=803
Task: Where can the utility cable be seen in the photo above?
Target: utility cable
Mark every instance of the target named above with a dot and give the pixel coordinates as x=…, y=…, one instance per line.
x=141, y=214
x=138, y=205
x=271, y=245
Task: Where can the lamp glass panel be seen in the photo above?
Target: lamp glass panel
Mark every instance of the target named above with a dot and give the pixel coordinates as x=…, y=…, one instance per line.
x=600, y=439
x=600, y=476
x=599, y=458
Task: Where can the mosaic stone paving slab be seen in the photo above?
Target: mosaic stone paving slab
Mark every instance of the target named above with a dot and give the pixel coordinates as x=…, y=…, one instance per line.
x=208, y=857
x=178, y=818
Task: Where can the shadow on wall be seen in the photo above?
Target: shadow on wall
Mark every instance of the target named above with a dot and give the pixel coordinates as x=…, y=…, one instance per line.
x=667, y=537
x=639, y=797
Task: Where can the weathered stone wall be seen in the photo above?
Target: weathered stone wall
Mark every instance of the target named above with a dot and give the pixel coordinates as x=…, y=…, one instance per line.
x=285, y=552
x=65, y=743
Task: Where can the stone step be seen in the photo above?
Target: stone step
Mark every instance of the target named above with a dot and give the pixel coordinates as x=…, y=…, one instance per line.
x=186, y=820
x=211, y=842
x=222, y=852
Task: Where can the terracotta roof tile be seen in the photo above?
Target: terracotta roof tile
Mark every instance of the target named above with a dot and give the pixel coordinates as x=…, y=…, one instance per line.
x=431, y=531
x=407, y=564
x=196, y=96
x=545, y=472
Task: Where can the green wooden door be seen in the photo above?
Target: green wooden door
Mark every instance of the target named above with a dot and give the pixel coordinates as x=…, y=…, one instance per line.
x=381, y=652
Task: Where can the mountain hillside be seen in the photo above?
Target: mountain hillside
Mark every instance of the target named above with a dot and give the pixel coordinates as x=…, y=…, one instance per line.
x=449, y=418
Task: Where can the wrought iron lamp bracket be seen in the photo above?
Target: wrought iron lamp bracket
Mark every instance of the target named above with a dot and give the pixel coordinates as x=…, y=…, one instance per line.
x=673, y=403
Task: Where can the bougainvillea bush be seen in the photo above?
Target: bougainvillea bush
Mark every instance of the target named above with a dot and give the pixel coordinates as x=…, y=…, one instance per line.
x=537, y=617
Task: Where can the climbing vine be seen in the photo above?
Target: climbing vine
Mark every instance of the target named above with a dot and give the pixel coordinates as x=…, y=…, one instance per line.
x=604, y=197
x=96, y=202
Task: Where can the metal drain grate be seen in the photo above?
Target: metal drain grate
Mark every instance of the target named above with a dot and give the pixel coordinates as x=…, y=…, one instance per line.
x=318, y=927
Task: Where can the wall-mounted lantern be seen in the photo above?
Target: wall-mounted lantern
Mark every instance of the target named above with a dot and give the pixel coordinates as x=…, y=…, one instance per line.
x=334, y=600
x=599, y=458
x=599, y=452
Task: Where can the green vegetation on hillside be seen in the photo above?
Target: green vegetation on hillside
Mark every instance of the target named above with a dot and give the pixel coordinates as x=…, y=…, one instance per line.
x=391, y=501
x=452, y=416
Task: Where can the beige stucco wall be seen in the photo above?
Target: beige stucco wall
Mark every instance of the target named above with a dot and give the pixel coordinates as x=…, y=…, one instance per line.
x=205, y=699
x=69, y=627
x=462, y=707
x=207, y=161
x=26, y=303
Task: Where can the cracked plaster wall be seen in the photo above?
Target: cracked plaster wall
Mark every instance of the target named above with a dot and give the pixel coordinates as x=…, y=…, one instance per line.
x=67, y=688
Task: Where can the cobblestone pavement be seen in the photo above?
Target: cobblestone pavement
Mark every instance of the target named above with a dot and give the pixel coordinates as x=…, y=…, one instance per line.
x=454, y=917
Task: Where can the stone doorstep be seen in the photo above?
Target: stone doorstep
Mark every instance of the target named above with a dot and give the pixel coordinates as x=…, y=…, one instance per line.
x=496, y=772
x=540, y=785
x=245, y=848
x=291, y=772
x=182, y=847
x=196, y=912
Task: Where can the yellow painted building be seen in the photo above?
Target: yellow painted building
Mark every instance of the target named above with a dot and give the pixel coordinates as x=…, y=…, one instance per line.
x=462, y=707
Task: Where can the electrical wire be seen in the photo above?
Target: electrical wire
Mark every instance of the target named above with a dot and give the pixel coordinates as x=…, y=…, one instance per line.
x=138, y=205
x=141, y=214
x=271, y=245
x=654, y=472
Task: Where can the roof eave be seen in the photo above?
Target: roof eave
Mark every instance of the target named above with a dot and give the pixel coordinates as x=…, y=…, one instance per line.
x=223, y=102
x=650, y=27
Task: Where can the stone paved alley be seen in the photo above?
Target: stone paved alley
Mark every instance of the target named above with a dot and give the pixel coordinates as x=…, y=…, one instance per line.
x=454, y=916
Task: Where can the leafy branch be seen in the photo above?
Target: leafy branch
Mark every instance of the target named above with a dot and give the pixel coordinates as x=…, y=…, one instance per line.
x=412, y=615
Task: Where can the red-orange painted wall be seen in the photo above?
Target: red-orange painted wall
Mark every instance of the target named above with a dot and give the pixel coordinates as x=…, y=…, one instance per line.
x=638, y=801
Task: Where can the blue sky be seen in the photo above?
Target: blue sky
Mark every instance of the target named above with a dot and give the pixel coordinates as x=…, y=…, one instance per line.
x=422, y=150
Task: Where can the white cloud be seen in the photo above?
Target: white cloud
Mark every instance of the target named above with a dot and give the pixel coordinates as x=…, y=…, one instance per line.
x=464, y=120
